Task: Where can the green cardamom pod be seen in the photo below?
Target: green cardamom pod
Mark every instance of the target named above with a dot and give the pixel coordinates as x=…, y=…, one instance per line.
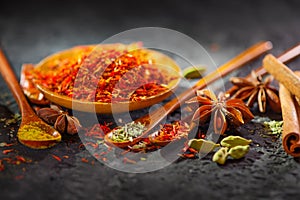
x=194, y=72
x=202, y=146
x=221, y=155
x=232, y=141
x=238, y=152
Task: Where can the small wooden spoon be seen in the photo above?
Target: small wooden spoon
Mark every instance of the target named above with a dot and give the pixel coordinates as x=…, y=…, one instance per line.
x=155, y=117
x=33, y=132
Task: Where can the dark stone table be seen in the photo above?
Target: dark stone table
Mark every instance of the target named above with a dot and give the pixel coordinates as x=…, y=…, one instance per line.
x=29, y=31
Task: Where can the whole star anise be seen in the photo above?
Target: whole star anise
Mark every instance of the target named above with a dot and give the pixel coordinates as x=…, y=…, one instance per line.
x=62, y=121
x=224, y=112
x=257, y=89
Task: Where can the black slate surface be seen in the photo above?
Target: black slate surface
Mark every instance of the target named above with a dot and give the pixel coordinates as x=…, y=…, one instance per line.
x=29, y=31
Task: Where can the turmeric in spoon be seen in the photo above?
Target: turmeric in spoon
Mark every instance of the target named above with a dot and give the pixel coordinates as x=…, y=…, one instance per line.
x=33, y=132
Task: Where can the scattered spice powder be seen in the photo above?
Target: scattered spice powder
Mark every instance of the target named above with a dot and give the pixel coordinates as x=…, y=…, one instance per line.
x=12, y=120
x=14, y=160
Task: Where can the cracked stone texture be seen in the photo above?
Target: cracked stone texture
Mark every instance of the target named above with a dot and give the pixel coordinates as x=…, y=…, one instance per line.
x=29, y=31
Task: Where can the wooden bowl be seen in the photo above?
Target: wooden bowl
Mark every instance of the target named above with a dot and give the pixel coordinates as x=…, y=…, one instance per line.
x=162, y=61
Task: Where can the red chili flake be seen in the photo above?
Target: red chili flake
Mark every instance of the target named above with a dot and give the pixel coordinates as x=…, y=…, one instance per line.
x=96, y=155
x=21, y=158
x=94, y=145
x=185, y=147
x=188, y=155
x=120, y=72
x=8, y=160
x=81, y=146
x=10, y=144
x=98, y=130
x=127, y=160
x=109, y=149
x=6, y=151
x=66, y=157
x=201, y=135
x=125, y=152
x=56, y=157
x=93, y=162
x=84, y=160
x=2, y=167
x=172, y=131
x=19, y=177
x=192, y=150
x=103, y=153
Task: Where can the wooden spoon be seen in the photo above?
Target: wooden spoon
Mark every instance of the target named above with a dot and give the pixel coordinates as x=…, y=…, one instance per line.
x=155, y=117
x=33, y=132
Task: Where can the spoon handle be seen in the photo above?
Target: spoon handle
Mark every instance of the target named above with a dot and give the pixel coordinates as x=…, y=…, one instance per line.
x=285, y=57
x=235, y=63
x=11, y=80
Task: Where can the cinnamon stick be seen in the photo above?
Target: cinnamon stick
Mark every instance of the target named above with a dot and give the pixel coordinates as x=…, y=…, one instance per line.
x=291, y=124
x=282, y=74
x=288, y=91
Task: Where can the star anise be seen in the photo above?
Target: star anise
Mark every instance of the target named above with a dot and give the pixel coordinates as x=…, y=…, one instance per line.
x=62, y=121
x=225, y=112
x=257, y=89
